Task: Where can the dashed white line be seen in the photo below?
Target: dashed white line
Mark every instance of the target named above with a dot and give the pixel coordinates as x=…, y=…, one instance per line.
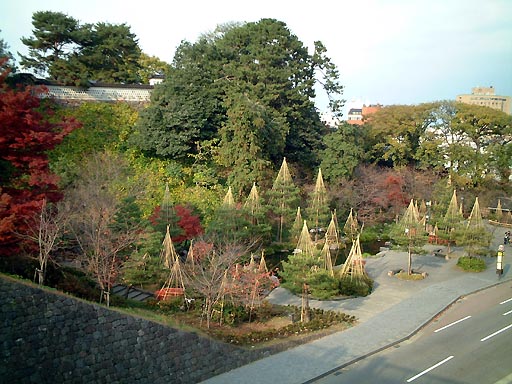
x=507, y=313
x=497, y=332
x=506, y=301
x=449, y=325
x=429, y=369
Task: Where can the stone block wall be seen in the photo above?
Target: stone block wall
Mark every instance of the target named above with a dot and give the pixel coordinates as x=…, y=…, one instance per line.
x=48, y=337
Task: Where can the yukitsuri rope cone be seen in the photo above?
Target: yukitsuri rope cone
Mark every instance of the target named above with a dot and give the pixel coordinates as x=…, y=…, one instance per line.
x=475, y=237
x=174, y=285
x=229, y=201
x=297, y=225
x=318, y=210
x=412, y=226
x=282, y=193
x=354, y=265
x=332, y=241
x=305, y=245
x=263, y=264
x=475, y=218
x=327, y=260
x=453, y=215
x=253, y=204
x=351, y=227
x=499, y=211
x=168, y=254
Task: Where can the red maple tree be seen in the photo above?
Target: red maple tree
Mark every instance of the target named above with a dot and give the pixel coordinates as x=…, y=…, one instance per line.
x=27, y=132
x=189, y=225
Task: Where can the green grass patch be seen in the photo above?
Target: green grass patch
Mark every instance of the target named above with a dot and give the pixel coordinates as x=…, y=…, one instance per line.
x=412, y=277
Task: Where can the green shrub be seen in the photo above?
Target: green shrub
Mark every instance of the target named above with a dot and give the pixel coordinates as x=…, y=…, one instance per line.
x=378, y=232
x=322, y=286
x=471, y=264
x=231, y=314
x=356, y=287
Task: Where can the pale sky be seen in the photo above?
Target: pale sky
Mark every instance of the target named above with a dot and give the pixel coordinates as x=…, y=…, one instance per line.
x=387, y=51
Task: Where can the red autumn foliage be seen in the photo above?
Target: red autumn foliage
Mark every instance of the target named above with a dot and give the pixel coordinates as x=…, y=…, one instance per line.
x=27, y=132
x=189, y=224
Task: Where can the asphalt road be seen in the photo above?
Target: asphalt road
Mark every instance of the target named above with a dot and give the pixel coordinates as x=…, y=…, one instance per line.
x=470, y=343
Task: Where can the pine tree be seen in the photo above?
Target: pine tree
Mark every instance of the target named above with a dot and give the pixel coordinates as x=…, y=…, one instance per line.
x=318, y=210
x=283, y=201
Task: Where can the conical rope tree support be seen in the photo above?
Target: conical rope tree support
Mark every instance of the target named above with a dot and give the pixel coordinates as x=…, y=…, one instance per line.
x=262, y=268
x=354, y=267
x=283, y=198
x=452, y=219
x=318, y=211
x=253, y=204
x=297, y=225
x=499, y=212
x=351, y=227
x=410, y=222
x=475, y=236
x=168, y=254
x=327, y=260
x=229, y=201
x=305, y=245
x=332, y=239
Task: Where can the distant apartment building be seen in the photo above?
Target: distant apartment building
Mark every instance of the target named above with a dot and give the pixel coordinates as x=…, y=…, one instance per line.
x=487, y=97
x=355, y=116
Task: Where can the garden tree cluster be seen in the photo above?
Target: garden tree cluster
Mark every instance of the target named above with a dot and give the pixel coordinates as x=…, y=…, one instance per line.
x=231, y=290
x=473, y=235
x=410, y=232
x=379, y=194
x=344, y=151
x=471, y=143
x=209, y=271
x=178, y=222
x=306, y=267
x=73, y=53
x=249, y=87
x=105, y=127
x=28, y=130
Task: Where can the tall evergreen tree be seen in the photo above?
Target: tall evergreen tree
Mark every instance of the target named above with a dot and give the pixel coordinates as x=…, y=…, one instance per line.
x=74, y=53
x=249, y=85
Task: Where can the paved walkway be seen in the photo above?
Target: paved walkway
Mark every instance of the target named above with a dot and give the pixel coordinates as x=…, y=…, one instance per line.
x=395, y=311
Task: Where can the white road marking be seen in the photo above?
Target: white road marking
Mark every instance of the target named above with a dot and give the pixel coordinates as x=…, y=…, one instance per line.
x=449, y=325
x=429, y=369
x=507, y=313
x=497, y=332
x=506, y=301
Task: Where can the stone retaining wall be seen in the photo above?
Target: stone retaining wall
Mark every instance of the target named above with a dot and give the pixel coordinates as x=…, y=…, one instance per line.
x=49, y=337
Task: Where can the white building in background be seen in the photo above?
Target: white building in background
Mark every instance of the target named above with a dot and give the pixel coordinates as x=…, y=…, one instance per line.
x=487, y=97
x=328, y=119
